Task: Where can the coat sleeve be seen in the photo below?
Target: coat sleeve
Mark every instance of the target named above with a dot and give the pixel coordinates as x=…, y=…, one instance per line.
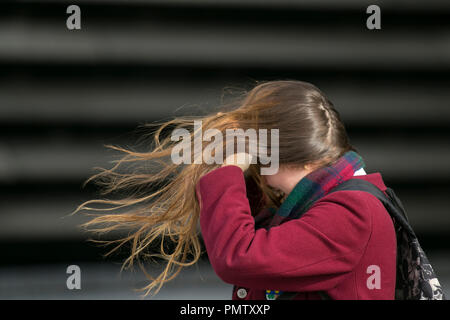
x=312, y=253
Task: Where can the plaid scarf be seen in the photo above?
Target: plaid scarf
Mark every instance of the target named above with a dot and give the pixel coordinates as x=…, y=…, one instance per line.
x=315, y=185
x=311, y=188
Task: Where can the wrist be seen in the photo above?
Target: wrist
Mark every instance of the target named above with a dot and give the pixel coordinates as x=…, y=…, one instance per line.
x=241, y=160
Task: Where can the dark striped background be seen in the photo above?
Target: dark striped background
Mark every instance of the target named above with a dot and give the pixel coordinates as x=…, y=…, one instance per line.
x=63, y=94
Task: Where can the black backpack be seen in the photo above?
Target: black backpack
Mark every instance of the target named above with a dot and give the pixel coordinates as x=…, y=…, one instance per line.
x=416, y=279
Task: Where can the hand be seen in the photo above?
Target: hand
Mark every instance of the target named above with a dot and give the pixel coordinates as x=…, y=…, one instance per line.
x=241, y=160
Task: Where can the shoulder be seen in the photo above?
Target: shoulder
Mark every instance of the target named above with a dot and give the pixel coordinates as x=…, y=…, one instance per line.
x=357, y=201
x=346, y=217
x=353, y=204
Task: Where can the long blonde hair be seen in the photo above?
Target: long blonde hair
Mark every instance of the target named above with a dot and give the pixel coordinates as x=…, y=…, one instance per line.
x=159, y=201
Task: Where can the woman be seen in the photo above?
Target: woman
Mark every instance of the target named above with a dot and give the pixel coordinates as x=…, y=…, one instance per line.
x=265, y=234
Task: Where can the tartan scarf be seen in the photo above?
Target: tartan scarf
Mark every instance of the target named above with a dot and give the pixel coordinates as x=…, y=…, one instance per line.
x=311, y=188
x=315, y=185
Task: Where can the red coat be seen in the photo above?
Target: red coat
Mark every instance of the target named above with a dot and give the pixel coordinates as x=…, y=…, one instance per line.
x=330, y=248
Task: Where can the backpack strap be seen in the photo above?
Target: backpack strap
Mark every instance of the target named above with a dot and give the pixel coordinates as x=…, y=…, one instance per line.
x=390, y=201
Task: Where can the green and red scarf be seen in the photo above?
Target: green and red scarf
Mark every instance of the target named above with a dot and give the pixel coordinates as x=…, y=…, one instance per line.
x=315, y=185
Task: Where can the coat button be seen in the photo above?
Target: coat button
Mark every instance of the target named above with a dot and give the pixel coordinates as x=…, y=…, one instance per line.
x=242, y=293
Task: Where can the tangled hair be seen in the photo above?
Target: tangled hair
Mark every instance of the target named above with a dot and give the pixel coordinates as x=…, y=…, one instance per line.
x=159, y=201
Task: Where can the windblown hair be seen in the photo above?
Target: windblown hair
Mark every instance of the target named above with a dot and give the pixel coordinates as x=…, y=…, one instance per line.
x=159, y=201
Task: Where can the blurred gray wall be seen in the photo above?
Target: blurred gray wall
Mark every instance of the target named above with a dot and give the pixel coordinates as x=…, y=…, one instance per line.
x=64, y=94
